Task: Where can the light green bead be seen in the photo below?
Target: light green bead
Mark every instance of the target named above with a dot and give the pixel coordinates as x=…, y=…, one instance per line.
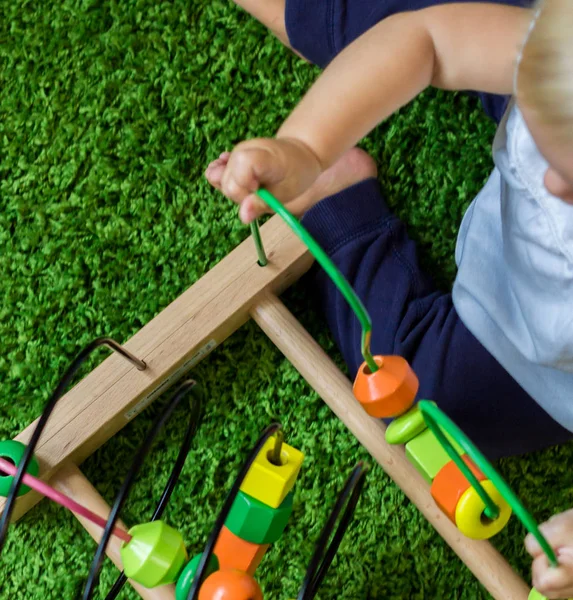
x=406, y=427
x=155, y=555
x=188, y=574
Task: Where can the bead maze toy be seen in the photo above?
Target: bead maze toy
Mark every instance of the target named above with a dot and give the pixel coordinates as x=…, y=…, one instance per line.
x=428, y=457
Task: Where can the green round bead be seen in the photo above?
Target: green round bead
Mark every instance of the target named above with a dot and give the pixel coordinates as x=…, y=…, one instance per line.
x=188, y=574
x=155, y=555
x=13, y=451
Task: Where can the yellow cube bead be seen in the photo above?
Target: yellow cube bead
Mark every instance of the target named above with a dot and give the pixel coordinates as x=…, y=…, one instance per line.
x=270, y=483
x=470, y=518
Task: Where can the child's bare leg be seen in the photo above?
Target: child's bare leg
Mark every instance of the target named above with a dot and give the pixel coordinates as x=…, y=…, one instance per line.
x=271, y=13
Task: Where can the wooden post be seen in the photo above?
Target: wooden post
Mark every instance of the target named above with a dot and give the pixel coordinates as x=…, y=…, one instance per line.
x=335, y=389
x=71, y=481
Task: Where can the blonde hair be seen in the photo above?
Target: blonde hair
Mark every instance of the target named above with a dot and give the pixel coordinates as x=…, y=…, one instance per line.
x=544, y=79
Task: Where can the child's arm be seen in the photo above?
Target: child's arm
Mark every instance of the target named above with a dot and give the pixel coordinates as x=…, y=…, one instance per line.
x=456, y=46
x=550, y=581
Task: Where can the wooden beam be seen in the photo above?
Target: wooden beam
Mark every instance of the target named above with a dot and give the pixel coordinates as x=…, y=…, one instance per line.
x=335, y=389
x=171, y=344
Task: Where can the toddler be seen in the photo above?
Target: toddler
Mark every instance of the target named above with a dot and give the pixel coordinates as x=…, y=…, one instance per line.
x=497, y=353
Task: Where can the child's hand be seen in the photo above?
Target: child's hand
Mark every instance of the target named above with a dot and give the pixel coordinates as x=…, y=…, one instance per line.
x=555, y=583
x=286, y=167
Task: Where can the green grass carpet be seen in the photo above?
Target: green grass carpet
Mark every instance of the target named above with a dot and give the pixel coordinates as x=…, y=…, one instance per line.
x=109, y=113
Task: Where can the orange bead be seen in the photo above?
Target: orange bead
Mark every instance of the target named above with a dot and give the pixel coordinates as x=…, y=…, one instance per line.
x=235, y=553
x=390, y=391
x=230, y=585
x=449, y=485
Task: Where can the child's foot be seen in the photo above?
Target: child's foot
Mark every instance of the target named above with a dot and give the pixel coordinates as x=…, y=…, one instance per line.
x=353, y=167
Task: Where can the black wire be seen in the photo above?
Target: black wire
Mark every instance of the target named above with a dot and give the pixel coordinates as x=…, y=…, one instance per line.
x=172, y=481
x=324, y=555
x=57, y=394
x=222, y=517
x=129, y=480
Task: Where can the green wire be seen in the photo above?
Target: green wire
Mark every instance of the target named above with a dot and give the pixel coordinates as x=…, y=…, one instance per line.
x=259, y=243
x=337, y=277
x=436, y=421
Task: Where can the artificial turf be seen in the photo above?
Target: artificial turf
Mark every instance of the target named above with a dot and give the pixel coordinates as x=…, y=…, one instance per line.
x=109, y=113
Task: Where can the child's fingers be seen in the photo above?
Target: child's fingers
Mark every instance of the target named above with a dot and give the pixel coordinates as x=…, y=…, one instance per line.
x=214, y=172
x=252, y=208
x=558, y=531
x=554, y=582
x=565, y=594
x=247, y=169
x=238, y=185
x=532, y=546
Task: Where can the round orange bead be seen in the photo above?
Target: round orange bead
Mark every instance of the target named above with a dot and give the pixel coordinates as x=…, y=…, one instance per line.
x=230, y=585
x=390, y=391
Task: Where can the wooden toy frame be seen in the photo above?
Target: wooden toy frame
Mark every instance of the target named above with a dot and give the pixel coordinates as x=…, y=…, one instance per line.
x=236, y=289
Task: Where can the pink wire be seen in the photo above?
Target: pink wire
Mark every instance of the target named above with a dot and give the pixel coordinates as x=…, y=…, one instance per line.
x=43, y=488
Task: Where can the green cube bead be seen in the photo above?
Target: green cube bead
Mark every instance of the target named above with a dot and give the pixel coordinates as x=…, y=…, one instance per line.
x=155, y=555
x=13, y=451
x=255, y=522
x=188, y=574
x=427, y=454
x=406, y=427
